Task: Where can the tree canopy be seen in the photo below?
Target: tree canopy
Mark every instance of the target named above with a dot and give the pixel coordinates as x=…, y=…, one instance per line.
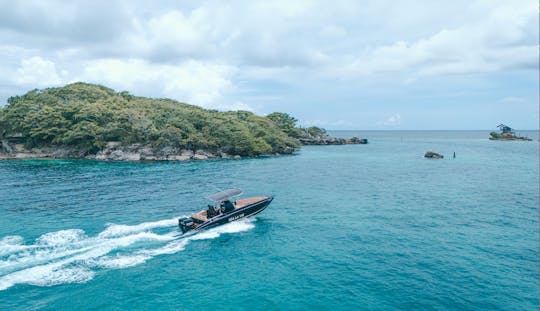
x=283, y=120
x=87, y=116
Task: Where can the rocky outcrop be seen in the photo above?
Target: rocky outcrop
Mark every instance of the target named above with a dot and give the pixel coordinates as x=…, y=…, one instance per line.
x=136, y=152
x=5, y=146
x=329, y=140
x=507, y=136
x=433, y=155
x=18, y=151
x=113, y=151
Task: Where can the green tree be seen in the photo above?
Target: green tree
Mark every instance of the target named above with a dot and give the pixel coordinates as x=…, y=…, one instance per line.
x=283, y=120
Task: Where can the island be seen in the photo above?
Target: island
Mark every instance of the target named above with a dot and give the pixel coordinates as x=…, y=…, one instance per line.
x=506, y=133
x=90, y=121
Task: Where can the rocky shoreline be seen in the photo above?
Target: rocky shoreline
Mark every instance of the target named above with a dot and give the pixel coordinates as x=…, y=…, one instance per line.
x=324, y=139
x=333, y=141
x=114, y=151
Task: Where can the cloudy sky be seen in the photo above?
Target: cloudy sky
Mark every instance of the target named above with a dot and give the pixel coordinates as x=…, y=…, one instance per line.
x=338, y=64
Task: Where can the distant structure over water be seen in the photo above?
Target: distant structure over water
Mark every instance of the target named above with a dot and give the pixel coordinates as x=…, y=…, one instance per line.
x=507, y=133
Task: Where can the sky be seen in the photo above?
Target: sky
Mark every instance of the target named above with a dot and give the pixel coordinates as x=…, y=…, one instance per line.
x=365, y=65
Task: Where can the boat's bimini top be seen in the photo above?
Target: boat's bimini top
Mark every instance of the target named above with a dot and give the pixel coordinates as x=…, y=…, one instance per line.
x=224, y=195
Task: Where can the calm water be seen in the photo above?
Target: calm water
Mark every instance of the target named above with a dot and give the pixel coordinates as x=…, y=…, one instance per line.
x=352, y=227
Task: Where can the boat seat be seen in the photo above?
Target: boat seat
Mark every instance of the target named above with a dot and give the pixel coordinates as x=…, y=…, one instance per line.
x=243, y=202
x=200, y=216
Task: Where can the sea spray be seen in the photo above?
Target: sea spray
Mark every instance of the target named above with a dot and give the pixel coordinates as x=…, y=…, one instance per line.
x=232, y=227
x=11, y=244
x=119, y=230
x=70, y=256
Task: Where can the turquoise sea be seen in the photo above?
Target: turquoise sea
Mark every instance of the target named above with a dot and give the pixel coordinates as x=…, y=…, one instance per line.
x=352, y=227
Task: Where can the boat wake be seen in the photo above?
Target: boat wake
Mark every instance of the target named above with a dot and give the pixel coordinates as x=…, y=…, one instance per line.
x=70, y=256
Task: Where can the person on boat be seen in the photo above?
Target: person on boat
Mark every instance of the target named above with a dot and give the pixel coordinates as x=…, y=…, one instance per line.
x=212, y=211
x=227, y=206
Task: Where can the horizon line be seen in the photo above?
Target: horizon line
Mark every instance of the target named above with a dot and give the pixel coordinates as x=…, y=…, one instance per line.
x=530, y=130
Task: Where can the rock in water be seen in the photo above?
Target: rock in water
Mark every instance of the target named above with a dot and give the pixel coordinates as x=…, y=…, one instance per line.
x=433, y=155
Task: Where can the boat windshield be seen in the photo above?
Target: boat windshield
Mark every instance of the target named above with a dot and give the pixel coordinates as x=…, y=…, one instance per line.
x=224, y=195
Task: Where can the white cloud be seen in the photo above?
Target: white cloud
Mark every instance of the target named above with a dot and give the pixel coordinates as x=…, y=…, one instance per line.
x=512, y=100
x=497, y=42
x=37, y=71
x=393, y=120
x=326, y=123
x=234, y=106
x=173, y=34
x=227, y=55
x=63, y=22
x=198, y=83
x=333, y=31
x=345, y=39
x=284, y=8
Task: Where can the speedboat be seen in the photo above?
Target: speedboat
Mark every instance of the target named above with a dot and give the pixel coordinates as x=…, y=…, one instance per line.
x=224, y=210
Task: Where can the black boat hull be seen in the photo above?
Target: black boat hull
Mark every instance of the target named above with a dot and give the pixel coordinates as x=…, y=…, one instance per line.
x=237, y=214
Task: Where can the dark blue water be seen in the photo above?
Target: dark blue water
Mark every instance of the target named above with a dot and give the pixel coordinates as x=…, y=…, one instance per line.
x=372, y=226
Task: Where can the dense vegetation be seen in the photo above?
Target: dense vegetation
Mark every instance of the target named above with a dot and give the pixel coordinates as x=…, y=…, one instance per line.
x=288, y=125
x=495, y=135
x=87, y=116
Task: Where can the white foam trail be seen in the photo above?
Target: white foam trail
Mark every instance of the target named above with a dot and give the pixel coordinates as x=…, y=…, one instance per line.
x=61, y=237
x=12, y=240
x=47, y=275
x=119, y=262
x=170, y=248
x=70, y=256
x=118, y=230
x=11, y=244
x=232, y=227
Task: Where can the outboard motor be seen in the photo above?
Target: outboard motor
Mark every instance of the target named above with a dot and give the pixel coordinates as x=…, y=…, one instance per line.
x=186, y=224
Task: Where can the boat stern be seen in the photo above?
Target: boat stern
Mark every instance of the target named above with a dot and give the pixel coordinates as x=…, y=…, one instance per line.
x=186, y=224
